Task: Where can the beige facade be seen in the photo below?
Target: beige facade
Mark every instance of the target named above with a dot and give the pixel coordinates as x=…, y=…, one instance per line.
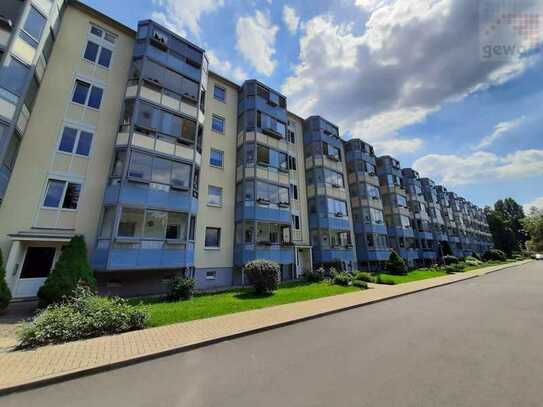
x=24, y=221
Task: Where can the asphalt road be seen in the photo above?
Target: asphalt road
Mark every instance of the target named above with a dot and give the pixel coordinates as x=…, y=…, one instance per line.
x=475, y=343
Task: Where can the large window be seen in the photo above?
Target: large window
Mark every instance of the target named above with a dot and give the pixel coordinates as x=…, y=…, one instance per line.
x=272, y=194
x=61, y=194
x=271, y=158
x=334, y=178
x=87, y=94
x=152, y=224
x=151, y=117
x=159, y=170
x=373, y=192
x=33, y=27
x=75, y=141
x=213, y=237
x=271, y=233
x=269, y=124
x=98, y=54
x=376, y=216
x=337, y=208
x=13, y=76
x=331, y=152
x=214, y=196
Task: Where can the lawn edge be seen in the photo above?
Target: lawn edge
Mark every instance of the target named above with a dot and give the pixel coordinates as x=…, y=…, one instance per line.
x=74, y=374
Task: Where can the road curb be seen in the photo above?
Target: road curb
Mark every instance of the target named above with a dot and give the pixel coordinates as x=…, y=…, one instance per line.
x=70, y=375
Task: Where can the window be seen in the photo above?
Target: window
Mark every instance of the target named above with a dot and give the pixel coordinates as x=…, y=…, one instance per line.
x=373, y=191
x=337, y=208
x=291, y=163
x=211, y=275
x=176, y=228
x=13, y=76
x=64, y=192
x=97, y=54
x=75, y=141
x=219, y=93
x=334, y=178
x=159, y=170
x=33, y=27
x=99, y=32
x=296, y=222
x=216, y=158
x=217, y=124
x=213, y=237
x=271, y=158
x=272, y=194
x=331, y=152
x=214, y=196
x=291, y=138
x=87, y=94
x=131, y=223
x=155, y=224
x=270, y=233
x=294, y=191
x=376, y=216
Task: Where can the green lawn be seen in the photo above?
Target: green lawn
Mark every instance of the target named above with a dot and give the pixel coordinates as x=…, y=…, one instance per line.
x=424, y=273
x=419, y=274
x=214, y=304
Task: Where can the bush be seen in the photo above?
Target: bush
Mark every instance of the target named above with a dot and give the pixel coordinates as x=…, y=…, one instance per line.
x=476, y=255
x=84, y=315
x=314, y=276
x=395, y=264
x=181, y=288
x=472, y=261
x=364, y=276
x=494, y=255
x=384, y=280
x=5, y=294
x=360, y=284
x=263, y=275
x=344, y=279
x=454, y=268
x=72, y=269
x=450, y=260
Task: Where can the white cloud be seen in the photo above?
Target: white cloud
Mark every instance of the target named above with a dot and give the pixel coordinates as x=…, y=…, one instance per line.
x=413, y=57
x=290, y=19
x=499, y=131
x=256, y=41
x=180, y=16
x=481, y=167
x=225, y=68
x=537, y=203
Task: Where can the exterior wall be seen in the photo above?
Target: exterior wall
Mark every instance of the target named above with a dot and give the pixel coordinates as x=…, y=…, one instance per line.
x=38, y=156
x=220, y=261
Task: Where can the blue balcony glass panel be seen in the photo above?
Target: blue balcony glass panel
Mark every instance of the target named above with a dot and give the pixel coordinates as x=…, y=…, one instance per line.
x=130, y=259
x=279, y=254
x=276, y=112
x=143, y=195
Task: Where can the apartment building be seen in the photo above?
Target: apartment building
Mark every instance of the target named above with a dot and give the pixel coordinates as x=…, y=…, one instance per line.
x=127, y=137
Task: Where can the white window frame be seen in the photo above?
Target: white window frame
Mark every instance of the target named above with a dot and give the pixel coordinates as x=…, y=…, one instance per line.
x=218, y=247
x=216, y=116
x=63, y=196
x=92, y=85
x=220, y=204
x=222, y=160
x=98, y=53
x=220, y=87
x=79, y=129
x=211, y=275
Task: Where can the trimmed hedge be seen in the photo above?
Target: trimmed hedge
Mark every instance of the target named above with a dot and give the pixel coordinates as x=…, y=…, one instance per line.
x=314, y=276
x=72, y=269
x=364, y=276
x=263, y=275
x=494, y=255
x=450, y=260
x=344, y=279
x=85, y=315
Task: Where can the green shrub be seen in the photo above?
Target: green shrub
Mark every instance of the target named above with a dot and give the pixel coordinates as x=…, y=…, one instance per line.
x=343, y=279
x=384, y=280
x=472, y=261
x=364, y=276
x=314, y=276
x=360, y=284
x=395, y=264
x=71, y=270
x=84, y=315
x=5, y=294
x=454, y=268
x=494, y=255
x=181, y=288
x=450, y=259
x=263, y=275
x=476, y=255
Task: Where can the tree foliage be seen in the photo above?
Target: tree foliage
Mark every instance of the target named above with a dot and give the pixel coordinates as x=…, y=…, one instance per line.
x=506, y=227
x=533, y=224
x=71, y=269
x=5, y=294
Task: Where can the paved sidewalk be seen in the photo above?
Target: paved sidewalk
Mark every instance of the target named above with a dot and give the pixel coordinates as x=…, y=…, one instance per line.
x=52, y=363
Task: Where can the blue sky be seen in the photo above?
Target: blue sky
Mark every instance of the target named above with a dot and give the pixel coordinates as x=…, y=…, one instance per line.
x=404, y=75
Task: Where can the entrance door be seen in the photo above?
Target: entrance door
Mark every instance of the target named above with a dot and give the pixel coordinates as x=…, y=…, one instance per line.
x=304, y=262
x=36, y=267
